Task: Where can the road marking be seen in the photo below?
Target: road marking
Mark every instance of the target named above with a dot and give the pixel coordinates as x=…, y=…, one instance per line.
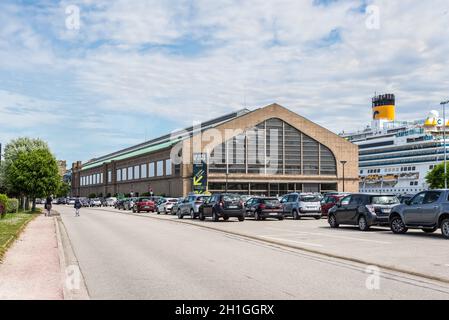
x=294, y=241
x=331, y=236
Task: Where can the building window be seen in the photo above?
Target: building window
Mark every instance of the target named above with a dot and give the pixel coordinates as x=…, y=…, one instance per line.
x=160, y=168
x=168, y=167
x=151, y=170
x=130, y=173
x=177, y=169
x=124, y=174
x=273, y=147
x=90, y=179
x=143, y=171
x=119, y=175
x=109, y=176
x=101, y=177
x=136, y=172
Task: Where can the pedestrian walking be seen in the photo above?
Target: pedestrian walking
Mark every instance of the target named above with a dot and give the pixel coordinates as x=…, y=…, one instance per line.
x=48, y=206
x=77, y=207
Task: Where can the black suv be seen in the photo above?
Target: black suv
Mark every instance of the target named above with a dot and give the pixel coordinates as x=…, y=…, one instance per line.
x=222, y=205
x=364, y=210
x=262, y=208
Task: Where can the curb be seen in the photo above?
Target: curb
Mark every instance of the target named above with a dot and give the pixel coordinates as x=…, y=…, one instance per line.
x=291, y=246
x=69, y=265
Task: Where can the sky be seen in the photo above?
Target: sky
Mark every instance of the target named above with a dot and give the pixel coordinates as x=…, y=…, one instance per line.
x=93, y=76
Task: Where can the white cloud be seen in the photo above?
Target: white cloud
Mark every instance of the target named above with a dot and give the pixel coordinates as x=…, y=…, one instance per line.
x=188, y=60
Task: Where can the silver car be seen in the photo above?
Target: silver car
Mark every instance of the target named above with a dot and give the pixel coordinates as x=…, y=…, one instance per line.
x=165, y=205
x=190, y=205
x=299, y=205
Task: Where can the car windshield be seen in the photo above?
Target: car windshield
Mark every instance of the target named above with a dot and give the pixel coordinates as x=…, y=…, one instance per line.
x=271, y=202
x=173, y=200
x=309, y=199
x=144, y=199
x=231, y=197
x=385, y=200
x=202, y=198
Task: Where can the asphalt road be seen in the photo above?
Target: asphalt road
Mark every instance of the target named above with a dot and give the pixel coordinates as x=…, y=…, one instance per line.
x=129, y=257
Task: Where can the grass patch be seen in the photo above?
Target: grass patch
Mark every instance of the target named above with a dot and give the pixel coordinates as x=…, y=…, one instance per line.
x=10, y=228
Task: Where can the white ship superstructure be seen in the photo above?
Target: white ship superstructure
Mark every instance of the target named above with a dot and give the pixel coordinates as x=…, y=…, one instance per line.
x=395, y=157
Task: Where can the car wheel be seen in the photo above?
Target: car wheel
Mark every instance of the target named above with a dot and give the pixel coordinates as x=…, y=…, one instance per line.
x=179, y=214
x=202, y=217
x=363, y=224
x=445, y=228
x=215, y=216
x=281, y=218
x=192, y=214
x=225, y=218
x=398, y=226
x=429, y=230
x=317, y=218
x=242, y=218
x=333, y=221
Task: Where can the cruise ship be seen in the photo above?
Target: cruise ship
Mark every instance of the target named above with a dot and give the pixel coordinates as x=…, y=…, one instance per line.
x=395, y=156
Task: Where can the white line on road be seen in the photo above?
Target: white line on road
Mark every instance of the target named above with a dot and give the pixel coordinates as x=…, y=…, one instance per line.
x=330, y=236
x=294, y=241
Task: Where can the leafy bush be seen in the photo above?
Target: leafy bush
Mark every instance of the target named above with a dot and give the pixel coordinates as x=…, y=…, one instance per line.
x=4, y=204
x=92, y=195
x=12, y=206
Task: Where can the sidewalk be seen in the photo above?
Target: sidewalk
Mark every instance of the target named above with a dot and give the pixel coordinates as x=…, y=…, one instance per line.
x=31, y=267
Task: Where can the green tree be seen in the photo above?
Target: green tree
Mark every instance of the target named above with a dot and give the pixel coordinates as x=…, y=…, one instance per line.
x=12, y=150
x=435, y=177
x=35, y=173
x=63, y=189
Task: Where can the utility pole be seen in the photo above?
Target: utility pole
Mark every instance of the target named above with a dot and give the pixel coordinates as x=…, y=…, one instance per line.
x=444, y=103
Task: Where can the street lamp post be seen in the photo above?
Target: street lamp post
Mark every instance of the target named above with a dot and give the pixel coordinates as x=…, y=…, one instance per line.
x=444, y=103
x=343, y=163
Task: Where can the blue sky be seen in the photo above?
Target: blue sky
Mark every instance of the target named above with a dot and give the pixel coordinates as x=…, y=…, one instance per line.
x=133, y=72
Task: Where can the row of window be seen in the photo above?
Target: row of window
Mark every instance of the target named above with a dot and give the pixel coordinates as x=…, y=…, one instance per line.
x=144, y=171
x=273, y=147
x=399, y=190
x=92, y=179
x=387, y=170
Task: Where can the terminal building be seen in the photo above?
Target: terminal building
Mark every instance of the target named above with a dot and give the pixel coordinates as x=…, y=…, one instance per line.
x=268, y=151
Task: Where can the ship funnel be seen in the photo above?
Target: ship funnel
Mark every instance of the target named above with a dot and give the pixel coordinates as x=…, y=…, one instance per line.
x=384, y=107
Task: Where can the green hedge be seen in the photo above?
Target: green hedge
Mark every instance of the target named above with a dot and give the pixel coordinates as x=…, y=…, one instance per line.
x=11, y=205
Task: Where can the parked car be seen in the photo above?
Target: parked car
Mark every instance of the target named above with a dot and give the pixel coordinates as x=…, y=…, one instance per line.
x=329, y=201
x=190, y=206
x=96, y=202
x=165, y=205
x=428, y=211
x=129, y=203
x=222, y=205
x=364, y=210
x=110, y=202
x=174, y=209
x=71, y=201
x=120, y=204
x=298, y=205
x=261, y=208
x=143, y=204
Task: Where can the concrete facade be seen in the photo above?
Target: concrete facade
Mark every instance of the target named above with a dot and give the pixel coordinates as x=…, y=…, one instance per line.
x=179, y=182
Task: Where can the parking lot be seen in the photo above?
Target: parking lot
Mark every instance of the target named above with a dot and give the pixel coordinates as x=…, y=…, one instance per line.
x=415, y=252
